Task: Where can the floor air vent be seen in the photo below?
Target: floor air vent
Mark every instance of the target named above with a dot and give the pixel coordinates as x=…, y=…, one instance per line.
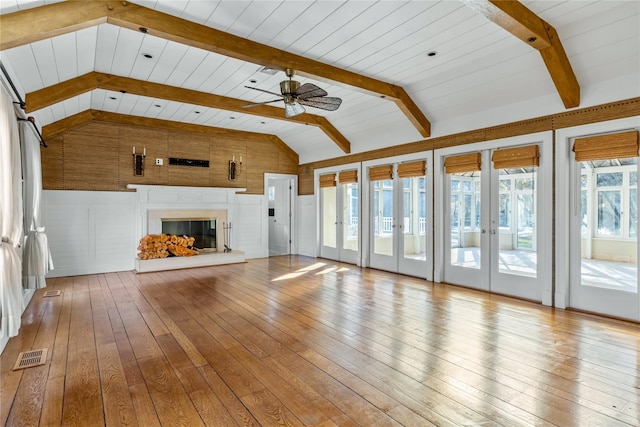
x=29, y=359
x=51, y=294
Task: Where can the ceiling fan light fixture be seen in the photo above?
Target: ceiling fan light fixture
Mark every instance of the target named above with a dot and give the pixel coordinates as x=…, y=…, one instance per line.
x=294, y=95
x=293, y=109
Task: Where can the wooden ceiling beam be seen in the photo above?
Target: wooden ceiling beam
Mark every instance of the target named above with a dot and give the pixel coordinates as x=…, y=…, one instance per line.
x=517, y=19
x=59, y=92
x=69, y=123
x=59, y=18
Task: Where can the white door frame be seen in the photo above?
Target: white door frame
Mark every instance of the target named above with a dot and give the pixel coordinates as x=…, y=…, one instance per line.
x=545, y=187
x=564, y=179
x=293, y=179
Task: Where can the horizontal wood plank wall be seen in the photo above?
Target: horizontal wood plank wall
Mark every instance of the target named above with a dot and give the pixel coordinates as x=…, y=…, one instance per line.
x=98, y=157
x=599, y=113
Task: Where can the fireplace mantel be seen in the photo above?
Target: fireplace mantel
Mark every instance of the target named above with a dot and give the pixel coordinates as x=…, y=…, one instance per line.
x=152, y=199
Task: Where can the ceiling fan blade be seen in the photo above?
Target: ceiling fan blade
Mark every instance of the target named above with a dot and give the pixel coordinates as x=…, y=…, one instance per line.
x=293, y=109
x=309, y=90
x=262, y=90
x=325, y=103
x=260, y=103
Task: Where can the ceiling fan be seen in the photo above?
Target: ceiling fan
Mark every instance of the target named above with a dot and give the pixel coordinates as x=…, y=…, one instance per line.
x=295, y=96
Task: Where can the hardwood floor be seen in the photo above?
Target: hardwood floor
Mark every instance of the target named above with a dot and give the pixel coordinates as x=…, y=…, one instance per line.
x=300, y=341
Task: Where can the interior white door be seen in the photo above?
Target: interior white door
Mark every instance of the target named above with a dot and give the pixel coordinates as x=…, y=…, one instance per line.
x=279, y=217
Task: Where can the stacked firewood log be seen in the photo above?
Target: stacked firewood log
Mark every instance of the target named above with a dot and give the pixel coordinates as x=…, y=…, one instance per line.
x=154, y=246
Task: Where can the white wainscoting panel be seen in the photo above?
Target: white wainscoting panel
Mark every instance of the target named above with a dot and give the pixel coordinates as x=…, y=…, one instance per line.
x=307, y=233
x=250, y=226
x=89, y=231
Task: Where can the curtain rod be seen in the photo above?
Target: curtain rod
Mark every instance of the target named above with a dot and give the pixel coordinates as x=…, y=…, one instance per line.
x=22, y=104
x=32, y=120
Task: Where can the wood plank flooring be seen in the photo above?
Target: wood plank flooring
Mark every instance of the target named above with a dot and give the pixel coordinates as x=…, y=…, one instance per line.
x=298, y=341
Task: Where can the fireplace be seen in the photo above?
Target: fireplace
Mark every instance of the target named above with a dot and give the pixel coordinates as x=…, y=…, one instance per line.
x=198, y=206
x=204, y=231
x=207, y=226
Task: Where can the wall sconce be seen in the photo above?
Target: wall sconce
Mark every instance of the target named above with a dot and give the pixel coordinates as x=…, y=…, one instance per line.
x=234, y=168
x=138, y=161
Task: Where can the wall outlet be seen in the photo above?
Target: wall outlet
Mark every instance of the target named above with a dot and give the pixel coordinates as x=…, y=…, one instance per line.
x=159, y=162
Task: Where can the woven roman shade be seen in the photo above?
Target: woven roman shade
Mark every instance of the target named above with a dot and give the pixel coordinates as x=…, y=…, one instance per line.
x=619, y=145
x=516, y=157
x=380, y=173
x=347, y=177
x=328, y=180
x=463, y=163
x=410, y=170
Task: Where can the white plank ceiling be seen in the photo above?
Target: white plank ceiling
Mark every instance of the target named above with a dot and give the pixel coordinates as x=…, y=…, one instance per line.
x=481, y=75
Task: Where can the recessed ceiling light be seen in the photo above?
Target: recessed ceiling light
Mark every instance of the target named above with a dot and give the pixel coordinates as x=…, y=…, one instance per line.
x=267, y=70
x=263, y=123
x=147, y=55
x=113, y=97
x=158, y=105
x=232, y=118
x=432, y=53
x=254, y=81
x=123, y=91
x=532, y=39
x=144, y=30
x=197, y=112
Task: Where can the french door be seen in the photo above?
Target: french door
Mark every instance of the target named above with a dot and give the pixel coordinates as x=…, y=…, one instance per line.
x=340, y=215
x=604, y=224
x=496, y=217
x=399, y=205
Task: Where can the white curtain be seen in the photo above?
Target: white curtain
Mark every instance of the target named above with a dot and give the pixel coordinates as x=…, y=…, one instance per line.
x=36, y=257
x=10, y=218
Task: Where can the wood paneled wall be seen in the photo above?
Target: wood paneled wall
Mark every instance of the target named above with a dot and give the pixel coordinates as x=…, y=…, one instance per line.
x=600, y=113
x=98, y=156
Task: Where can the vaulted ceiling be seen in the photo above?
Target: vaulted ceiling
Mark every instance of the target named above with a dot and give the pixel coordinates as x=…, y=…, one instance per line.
x=189, y=61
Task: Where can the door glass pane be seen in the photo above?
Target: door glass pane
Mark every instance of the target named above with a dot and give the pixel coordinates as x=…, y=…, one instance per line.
x=414, y=210
x=382, y=210
x=328, y=195
x=609, y=215
x=465, y=219
x=633, y=213
x=609, y=242
x=526, y=222
x=517, y=221
x=350, y=217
